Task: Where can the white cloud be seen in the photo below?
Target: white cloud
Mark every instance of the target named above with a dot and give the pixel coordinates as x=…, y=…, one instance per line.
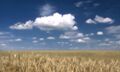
x=117, y=36
x=118, y=42
x=41, y=39
x=107, y=39
x=82, y=3
x=80, y=35
x=34, y=38
x=104, y=44
x=75, y=28
x=56, y=21
x=74, y=36
x=78, y=4
x=86, y=38
x=80, y=41
x=18, y=40
x=15, y=40
x=22, y=26
x=3, y=44
x=88, y=1
x=4, y=33
x=96, y=4
x=64, y=37
x=46, y=23
x=63, y=43
x=90, y=34
x=90, y=21
x=100, y=33
x=46, y=10
x=71, y=35
x=35, y=41
x=113, y=29
x=99, y=19
x=50, y=38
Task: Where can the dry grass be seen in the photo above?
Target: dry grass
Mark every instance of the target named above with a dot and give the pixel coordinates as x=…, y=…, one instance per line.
x=48, y=61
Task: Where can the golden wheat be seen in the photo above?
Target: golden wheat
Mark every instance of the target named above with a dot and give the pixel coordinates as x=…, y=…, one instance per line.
x=35, y=62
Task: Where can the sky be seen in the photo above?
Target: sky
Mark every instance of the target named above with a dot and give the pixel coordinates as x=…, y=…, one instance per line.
x=59, y=25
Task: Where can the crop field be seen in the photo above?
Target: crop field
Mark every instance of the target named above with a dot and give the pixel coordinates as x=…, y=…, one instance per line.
x=60, y=61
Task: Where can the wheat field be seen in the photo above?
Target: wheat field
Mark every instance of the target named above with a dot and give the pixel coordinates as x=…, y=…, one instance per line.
x=60, y=61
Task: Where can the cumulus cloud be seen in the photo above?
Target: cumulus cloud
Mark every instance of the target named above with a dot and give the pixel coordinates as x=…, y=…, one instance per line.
x=96, y=4
x=90, y=21
x=56, y=21
x=4, y=33
x=46, y=10
x=50, y=38
x=64, y=37
x=18, y=40
x=99, y=19
x=15, y=40
x=63, y=43
x=113, y=29
x=22, y=26
x=78, y=4
x=34, y=38
x=34, y=41
x=5, y=36
x=47, y=23
x=90, y=34
x=100, y=33
x=71, y=35
x=82, y=3
x=41, y=39
x=117, y=36
x=3, y=44
x=86, y=38
x=75, y=28
x=81, y=41
x=104, y=44
x=74, y=36
x=118, y=42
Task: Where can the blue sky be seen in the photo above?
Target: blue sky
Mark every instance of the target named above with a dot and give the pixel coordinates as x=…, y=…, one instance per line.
x=59, y=24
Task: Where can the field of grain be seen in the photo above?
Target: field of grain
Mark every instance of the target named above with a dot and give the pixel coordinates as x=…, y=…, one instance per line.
x=60, y=61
